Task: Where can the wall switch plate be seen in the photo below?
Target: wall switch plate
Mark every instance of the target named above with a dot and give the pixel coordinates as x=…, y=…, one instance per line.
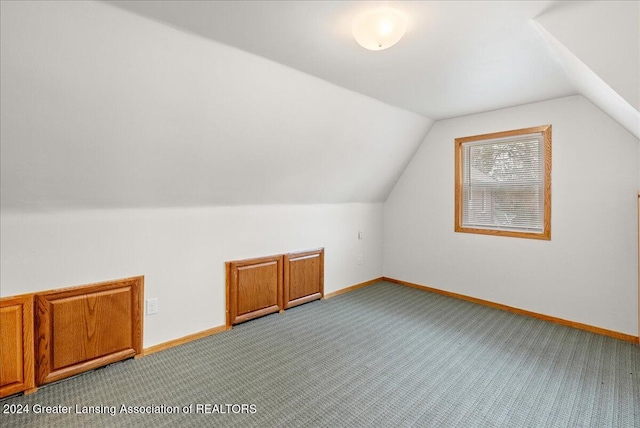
x=152, y=306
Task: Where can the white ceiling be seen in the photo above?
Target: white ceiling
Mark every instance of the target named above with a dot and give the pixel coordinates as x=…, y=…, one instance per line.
x=202, y=103
x=101, y=108
x=457, y=58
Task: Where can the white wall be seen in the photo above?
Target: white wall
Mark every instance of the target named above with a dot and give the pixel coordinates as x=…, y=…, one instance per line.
x=587, y=273
x=130, y=147
x=182, y=252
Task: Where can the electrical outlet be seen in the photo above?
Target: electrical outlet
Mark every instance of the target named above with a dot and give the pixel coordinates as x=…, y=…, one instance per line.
x=152, y=306
x=360, y=259
x=360, y=235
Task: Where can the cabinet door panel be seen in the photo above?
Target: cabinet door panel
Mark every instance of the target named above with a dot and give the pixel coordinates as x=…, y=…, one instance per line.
x=16, y=345
x=89, y=326
x=85, y=327
x=303, y=277
x=254, y=288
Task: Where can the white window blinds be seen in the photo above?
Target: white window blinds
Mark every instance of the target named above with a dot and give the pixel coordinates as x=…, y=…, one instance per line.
x=503, y=183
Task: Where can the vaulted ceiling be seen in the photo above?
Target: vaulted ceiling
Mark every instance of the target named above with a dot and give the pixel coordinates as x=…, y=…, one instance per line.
x=457, y=57
x=200, y=103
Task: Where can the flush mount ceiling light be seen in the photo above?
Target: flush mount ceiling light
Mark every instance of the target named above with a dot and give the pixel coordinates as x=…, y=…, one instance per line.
x=379, y=29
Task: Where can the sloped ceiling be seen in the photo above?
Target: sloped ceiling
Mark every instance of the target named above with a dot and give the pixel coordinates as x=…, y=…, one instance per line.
x=196, y=103
x=457, y=58
x=598, y=45
x=103, y=109
x=605, y=36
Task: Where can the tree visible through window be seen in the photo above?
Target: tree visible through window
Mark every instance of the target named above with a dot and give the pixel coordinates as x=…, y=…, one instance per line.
x=503, y=183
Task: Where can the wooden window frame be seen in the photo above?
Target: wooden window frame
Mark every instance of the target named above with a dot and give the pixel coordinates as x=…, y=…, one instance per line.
x=459, y=142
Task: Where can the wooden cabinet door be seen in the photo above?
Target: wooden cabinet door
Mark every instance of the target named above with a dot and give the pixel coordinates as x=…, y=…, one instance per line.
x=254, y=288
x=16, y=345
x=82, y=328
x=303, y=277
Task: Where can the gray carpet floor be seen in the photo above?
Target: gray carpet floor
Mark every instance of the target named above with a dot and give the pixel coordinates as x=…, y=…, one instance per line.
x=381, y=356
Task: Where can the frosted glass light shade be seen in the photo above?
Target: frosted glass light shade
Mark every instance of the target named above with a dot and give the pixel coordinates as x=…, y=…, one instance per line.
x=379, y=29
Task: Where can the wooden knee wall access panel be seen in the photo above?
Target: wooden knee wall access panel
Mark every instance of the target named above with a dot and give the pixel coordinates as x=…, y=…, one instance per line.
x=85, y=327
x=303, y=277
x=261, y=286
x=254, y=288
x=16, y=345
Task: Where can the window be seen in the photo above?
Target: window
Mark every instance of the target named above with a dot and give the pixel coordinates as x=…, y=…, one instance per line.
x=503, y=183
